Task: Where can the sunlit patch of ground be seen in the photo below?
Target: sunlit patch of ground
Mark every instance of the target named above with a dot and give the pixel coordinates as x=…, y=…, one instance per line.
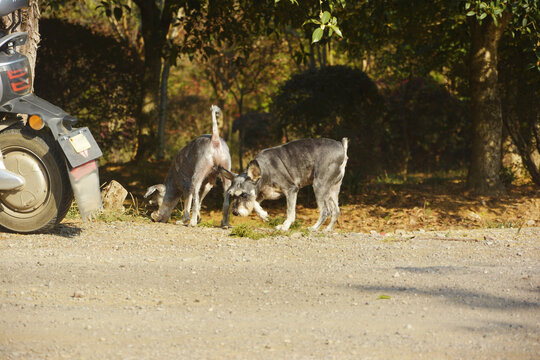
x=385, y=207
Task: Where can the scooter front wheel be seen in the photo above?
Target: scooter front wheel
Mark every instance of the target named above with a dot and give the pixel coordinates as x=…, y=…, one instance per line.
x=47, y=195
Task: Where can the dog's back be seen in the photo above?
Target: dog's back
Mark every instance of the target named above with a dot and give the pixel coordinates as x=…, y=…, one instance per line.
x=301, y=161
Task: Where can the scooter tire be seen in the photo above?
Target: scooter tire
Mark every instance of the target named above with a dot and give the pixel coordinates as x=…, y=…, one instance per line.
x=46, y=197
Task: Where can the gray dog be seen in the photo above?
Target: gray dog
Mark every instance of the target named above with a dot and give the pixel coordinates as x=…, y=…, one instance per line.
x=193, y=173
x=283, y=171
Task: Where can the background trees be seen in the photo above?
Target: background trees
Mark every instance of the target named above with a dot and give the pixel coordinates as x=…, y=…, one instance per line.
x=439, y=69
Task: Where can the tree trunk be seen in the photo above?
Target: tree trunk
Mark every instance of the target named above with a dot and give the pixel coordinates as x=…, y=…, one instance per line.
x=155, y=23
x=163, y=107
x=30, y=24
x=483, y=177
x=149, y=104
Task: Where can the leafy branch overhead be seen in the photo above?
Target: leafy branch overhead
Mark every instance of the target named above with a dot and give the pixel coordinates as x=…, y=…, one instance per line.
x=525, y=18
x=324, y=21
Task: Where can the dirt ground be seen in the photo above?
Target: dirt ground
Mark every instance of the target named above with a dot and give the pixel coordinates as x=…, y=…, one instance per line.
x=140, y=290
x=412, y=272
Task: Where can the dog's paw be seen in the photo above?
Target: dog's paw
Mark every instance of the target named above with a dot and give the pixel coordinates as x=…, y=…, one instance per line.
x=282, y=227
x=226, y=226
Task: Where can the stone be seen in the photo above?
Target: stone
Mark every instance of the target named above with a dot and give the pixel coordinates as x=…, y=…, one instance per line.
x=113, y=196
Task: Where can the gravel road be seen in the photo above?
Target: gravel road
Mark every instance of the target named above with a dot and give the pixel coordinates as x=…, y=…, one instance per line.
x=138, y=290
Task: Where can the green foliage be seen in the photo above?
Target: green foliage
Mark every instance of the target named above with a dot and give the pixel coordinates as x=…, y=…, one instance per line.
x=325, y=21
x=525, y=20
x=334, y=102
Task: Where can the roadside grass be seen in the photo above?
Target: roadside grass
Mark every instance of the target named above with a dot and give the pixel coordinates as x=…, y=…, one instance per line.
x=132, y=212
x=386, y=204
x=268, y=229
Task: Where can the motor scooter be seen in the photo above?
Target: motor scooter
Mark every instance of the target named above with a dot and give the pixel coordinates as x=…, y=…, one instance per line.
x=44, y=160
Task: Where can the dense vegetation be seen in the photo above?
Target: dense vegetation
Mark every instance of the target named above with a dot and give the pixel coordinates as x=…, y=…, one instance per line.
x=398, y=78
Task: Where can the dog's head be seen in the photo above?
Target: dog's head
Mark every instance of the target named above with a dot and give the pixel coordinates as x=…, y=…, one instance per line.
x=243, y=190
x=155, y=193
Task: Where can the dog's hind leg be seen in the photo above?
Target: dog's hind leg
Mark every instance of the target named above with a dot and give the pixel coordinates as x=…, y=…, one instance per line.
x=226, y=202
x=322, y=204
x=323, y=214
x=196, y=204
x=333, y=205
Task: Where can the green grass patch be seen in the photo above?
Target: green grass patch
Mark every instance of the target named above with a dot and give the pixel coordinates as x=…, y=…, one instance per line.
x=208, y=224
x=503, y=224
x=252, y=232
x=273, y=222
x=247, y=231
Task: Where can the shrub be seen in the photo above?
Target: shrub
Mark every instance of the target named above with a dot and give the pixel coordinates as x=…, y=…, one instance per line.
x=93, y=77
x=334, y=102
x=426, y=128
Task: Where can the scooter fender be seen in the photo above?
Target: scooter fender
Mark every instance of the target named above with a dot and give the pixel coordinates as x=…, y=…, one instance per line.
x=77, y=144
x=55, y=118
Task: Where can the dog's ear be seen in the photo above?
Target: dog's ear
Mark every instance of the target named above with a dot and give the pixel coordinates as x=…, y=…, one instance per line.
x=226, y=173
x=160, y=188
x=254, y=170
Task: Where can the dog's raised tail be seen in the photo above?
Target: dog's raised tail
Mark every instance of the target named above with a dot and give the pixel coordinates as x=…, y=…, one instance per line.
x=345, y=143
x=216, y=111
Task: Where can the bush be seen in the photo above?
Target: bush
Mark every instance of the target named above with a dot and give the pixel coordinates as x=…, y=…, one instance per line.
x=93, y=77
x=425, y=129
x=334, y=102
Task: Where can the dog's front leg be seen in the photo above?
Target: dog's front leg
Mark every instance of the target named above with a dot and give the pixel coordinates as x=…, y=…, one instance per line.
x=260, y=211
x=187, y=208
x=291, y=210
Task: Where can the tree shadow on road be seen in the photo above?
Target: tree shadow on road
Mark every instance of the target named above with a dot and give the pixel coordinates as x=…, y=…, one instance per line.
x=462, y=297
